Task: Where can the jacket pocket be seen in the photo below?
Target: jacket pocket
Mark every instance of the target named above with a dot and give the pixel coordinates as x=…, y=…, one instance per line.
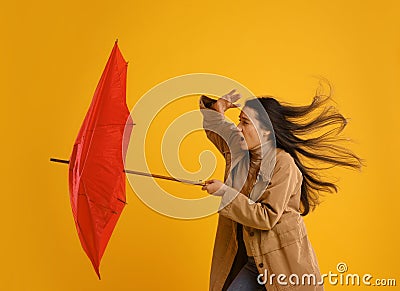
x=293, y=267
x=288, y=257
x=282, y=234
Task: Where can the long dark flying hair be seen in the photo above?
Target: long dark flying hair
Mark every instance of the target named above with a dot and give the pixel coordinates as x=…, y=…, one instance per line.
x=292, y=128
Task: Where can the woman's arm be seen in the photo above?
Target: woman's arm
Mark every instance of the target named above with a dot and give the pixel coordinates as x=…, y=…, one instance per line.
x=222, y=133
x=265, y=213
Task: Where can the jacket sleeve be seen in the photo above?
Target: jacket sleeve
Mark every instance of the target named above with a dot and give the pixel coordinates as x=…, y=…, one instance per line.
x=222, y=133
x=266, y=212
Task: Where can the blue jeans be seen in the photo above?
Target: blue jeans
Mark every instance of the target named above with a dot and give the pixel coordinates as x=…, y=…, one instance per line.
x=246, y=279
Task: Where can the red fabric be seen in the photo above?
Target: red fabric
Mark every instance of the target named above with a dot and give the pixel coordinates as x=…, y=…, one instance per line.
x=96, y=177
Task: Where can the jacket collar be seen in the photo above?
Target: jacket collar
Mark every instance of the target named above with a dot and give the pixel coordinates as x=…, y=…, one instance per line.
x=267, y=152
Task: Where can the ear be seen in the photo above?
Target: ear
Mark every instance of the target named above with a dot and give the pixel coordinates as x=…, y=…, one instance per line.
x=266, y=132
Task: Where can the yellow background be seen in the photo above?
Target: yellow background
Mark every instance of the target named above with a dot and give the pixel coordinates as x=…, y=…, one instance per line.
x=52, y=56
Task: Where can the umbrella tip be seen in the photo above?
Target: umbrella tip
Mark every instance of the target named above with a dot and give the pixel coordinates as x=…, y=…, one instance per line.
x=98, y=274
x=116, y=40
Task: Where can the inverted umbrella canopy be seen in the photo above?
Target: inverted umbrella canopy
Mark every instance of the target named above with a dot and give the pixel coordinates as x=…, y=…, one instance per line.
x=96, y=165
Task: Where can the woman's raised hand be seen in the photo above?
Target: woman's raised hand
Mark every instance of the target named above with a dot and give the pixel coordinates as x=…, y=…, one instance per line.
x=227, y=101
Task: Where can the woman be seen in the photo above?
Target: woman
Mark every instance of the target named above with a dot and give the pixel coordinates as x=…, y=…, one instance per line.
x=261, y=241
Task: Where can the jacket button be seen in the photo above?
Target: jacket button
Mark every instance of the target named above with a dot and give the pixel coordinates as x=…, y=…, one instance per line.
x=261, y=265
x=251, y=233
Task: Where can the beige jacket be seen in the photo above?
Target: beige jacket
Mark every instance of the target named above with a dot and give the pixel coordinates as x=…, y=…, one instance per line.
x=273, y=229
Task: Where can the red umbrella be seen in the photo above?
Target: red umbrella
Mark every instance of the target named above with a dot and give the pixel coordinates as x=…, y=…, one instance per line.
x=96, y=165
x=96, y=168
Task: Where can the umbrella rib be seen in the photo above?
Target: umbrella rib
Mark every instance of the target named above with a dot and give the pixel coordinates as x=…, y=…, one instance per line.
x=92, y=226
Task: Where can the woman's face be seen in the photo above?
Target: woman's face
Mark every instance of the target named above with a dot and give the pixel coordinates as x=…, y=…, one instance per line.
x=248, y=125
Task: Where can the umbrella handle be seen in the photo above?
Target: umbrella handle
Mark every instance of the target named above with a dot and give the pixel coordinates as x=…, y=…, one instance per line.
x=199, y=183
